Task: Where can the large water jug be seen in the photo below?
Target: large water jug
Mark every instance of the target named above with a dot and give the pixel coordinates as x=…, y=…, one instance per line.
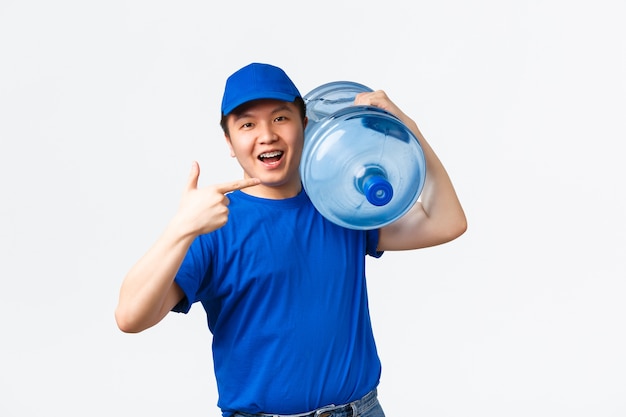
x=361, y=166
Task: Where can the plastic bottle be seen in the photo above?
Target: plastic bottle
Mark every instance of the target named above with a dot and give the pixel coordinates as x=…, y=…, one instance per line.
x=361, y=166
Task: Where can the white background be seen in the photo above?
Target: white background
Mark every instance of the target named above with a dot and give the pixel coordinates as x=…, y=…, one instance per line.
x=103, y=106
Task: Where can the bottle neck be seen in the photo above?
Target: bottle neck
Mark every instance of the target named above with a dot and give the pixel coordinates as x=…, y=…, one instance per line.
x=373, y=184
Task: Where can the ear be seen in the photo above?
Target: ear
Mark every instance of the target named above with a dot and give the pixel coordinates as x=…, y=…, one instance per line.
x=305, y=121
x=230, y=145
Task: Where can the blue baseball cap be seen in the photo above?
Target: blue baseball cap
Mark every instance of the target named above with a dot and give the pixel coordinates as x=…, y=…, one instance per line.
x=257, y=81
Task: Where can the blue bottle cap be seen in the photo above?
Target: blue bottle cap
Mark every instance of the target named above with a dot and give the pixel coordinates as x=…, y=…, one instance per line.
x=378, y=190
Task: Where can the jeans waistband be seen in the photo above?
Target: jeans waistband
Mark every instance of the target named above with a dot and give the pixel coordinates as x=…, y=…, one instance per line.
x=352, y=409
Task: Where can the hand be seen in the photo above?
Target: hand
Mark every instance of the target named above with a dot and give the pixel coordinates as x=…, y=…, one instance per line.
x=203, y=210
x=378, y=99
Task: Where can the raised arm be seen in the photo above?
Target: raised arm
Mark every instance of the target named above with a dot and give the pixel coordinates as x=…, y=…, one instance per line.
x=438, y=217
x=148, y=291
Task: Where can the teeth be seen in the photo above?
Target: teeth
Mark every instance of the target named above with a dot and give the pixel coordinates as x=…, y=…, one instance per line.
x=271, y=154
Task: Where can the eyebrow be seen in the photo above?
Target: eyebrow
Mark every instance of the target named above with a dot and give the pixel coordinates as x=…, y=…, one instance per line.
x=278, y=108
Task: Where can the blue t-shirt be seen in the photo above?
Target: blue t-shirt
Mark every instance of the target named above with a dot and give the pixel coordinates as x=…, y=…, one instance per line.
x=285, y=296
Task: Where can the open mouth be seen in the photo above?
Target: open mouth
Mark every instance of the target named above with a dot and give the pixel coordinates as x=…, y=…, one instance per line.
x=271, y=157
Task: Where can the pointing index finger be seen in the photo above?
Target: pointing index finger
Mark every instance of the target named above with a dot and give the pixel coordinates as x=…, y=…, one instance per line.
x=237, y=185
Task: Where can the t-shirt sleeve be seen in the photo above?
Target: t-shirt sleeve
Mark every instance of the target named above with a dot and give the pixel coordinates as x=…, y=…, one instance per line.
x=372, y=243
x=191, y=274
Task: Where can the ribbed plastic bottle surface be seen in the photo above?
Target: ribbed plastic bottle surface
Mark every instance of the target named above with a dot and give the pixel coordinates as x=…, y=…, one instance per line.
x=361, y=166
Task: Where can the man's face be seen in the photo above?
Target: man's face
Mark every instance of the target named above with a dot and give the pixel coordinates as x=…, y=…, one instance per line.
x=267, y=139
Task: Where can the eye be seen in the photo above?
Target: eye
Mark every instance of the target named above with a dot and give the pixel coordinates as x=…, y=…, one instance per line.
x=280, y=119
x=246, y=125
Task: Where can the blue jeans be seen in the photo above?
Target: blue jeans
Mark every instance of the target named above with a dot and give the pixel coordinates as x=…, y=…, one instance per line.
x=368, y=406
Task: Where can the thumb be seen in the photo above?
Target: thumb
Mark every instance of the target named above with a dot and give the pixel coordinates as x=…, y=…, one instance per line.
x=192, y=181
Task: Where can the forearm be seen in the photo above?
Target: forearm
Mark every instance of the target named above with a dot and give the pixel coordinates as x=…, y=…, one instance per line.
x=437, y=218
x=439, y=202
x=146, y=292
x=438, y=196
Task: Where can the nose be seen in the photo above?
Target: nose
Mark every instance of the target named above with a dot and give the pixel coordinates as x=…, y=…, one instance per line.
x=267, y=134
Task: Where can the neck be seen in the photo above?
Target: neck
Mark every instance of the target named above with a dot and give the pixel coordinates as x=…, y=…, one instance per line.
x=274, y=192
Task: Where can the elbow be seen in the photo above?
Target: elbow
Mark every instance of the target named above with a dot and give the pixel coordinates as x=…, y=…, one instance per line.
x=461, y=224
x=125, y=321
x=452, y=229
x=457, y=227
